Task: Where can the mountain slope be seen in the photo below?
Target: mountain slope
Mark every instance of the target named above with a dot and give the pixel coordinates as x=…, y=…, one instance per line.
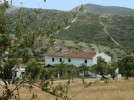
x=107, y=9
x=47, y=20
x=11, y=9
x=89, y=29
x=86, y=27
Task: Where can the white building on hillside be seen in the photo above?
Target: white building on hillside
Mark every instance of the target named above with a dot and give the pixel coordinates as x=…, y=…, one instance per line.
x=19, y=73
x=75, y=58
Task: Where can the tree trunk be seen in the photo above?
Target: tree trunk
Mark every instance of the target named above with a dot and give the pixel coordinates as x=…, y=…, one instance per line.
x=84, y=73
x=103, y=77
x=113, y=76
x=127, y=75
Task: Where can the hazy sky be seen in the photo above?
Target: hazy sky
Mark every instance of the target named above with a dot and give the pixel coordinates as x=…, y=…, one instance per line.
x=69, y=4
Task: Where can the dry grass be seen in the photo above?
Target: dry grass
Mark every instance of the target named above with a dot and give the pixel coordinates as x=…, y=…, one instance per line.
x=115, y=90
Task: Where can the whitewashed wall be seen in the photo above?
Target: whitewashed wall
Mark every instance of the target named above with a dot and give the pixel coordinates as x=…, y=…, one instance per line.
x=19, y=72
x=75, y=61
x=102, y=55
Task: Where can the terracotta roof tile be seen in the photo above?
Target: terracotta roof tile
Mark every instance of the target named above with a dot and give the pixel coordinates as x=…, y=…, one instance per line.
x=86, y=55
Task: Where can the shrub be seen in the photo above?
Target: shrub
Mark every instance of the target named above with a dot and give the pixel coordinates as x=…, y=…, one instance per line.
x=44, y=49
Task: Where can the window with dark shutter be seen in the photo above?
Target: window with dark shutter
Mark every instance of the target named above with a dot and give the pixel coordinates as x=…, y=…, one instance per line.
x=60, y=59
x=69, y=60
x=85, y=61
x=52, y=59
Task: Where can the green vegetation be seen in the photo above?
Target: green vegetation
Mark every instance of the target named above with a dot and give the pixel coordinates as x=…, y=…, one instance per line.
x=112, y=69
x=121, y=29
x=87, y=28
x=32, y=70
x=17, y=42
x=83, y=69
x=20, y=43
x=50, y=21
x=126, y=65
x=107, y=9
x=101, y=67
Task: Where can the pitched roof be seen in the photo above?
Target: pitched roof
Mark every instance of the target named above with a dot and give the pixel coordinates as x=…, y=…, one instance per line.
x=85, y=55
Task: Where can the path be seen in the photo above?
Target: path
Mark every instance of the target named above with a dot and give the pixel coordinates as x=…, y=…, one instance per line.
x=67, y=26
x=105, y=30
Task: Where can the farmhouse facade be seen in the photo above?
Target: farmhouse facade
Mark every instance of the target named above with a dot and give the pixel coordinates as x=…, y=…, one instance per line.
x=75, y=58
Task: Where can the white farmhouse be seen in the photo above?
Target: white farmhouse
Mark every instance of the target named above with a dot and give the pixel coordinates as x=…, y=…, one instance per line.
x=106, y=57
x=18, y=73
x=75, y=58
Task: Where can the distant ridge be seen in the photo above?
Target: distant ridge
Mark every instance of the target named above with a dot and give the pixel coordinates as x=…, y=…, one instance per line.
x=12, y=8
x=107, y=9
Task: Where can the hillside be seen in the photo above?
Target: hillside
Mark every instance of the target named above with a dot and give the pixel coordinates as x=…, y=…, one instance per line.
x=88, y=28
x=49, y=21
x=107, y=9
x=113, y=31
x=11, y=9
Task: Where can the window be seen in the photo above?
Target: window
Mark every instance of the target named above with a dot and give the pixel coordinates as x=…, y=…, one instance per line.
x=52, y=59
x=60, y=59
x=85, y=61
x=69, y=60
x=22, y=73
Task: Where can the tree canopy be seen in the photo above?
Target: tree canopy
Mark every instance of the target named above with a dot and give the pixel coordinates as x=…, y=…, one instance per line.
x=126, y=65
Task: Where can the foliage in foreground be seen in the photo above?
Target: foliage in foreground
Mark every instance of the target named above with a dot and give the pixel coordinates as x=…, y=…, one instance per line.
x=18, y=46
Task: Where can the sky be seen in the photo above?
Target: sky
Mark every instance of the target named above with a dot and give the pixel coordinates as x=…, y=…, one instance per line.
x=70, y=4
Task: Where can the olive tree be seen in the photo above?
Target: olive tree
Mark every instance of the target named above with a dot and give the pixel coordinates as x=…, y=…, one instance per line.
x=83, y=69
x=112, y=67
x=126, y=65
x=101, y=67
x=19, y=48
